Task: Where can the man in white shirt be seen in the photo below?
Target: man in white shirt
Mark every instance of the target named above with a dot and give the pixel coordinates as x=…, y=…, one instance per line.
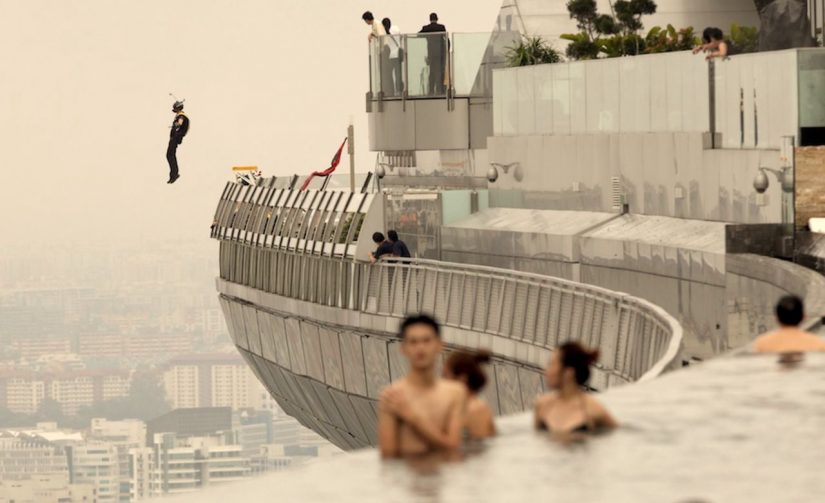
x=376, y=28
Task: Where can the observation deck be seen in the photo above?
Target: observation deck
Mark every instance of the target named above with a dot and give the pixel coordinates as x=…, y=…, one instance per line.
x=318, y=324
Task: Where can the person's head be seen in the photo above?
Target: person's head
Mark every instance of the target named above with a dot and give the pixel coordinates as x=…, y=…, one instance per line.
x=466, y=367
x=433, y=17
x=790, y=311
x=177, y=106
x=712, y=34
x=392, y=236
x=420, y=341
x=377, y=238
x=570, y=364
x=387, y=24
x=368, y=17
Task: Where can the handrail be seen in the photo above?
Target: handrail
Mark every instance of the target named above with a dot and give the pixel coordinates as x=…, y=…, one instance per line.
x=638, y=340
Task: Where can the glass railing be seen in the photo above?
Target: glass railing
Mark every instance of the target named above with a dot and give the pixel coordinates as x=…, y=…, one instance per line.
x=431, y=65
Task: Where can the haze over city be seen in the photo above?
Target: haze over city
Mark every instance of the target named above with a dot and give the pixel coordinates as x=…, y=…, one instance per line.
x=86, y=106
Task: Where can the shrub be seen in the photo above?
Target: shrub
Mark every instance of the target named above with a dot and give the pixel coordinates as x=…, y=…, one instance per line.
x=532, y=51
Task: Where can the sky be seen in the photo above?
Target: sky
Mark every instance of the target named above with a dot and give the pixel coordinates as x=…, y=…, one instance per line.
x=85, y=107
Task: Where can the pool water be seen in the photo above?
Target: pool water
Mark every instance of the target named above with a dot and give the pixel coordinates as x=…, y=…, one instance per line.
x=734, y=429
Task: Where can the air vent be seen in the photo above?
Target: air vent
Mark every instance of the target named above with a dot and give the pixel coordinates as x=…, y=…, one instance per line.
x=616, y=193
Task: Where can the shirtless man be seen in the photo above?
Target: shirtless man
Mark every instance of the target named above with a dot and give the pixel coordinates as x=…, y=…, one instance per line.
x=420, y=413
x=788, y=338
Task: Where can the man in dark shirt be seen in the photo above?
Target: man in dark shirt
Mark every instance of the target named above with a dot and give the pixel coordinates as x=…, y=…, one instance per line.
x=399, y=248
x=384, y=247
x=436, y=54
x=180, y=126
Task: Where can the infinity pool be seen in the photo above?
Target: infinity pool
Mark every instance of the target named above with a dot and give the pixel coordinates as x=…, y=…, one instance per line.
x=734, y=429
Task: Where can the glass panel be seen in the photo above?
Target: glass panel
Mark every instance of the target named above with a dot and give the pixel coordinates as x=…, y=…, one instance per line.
x=390, y=57
x=426, y=64
x=468, y=53
x=375, y=70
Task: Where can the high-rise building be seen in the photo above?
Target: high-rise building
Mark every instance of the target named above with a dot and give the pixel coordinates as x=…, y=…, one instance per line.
x=23, y=392
x=125, y=436
x=214, y=380
x=95, y=463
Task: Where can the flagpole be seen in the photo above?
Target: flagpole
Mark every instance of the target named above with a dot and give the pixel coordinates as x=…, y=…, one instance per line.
x=351, y=152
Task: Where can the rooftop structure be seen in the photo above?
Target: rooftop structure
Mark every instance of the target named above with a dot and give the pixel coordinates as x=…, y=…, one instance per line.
x=638, y=204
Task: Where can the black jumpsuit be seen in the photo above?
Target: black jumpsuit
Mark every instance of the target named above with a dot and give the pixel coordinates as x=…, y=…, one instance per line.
x=180, y=126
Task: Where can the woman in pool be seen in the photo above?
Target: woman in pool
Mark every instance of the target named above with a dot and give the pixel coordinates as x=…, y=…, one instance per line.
x=569, y=408
x=466, y=367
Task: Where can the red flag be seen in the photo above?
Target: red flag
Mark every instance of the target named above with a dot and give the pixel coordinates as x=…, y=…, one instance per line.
x=332, y=165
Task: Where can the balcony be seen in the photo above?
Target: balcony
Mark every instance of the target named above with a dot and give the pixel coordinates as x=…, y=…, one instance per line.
x=433, y=91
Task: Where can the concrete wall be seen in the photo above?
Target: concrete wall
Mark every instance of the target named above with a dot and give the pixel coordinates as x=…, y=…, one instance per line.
x=667, y=174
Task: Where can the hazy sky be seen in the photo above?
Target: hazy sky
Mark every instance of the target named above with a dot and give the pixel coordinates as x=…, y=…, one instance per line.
x=85, y=111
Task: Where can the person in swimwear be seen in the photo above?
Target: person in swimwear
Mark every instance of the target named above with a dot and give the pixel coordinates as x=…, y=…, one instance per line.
x=570, y=408
x=789, y=338
x=465, y=367
x=421, y=413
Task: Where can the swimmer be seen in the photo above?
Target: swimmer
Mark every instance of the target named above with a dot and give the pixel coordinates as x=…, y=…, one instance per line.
x=570, y=409
x=466, y=368
x=788, y=338
x=421, y=413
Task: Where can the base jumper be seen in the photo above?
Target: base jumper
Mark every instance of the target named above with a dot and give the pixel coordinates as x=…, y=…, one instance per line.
x=180, y=126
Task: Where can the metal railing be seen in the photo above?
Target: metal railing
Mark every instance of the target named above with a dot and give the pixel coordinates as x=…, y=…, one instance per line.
x=637, y=339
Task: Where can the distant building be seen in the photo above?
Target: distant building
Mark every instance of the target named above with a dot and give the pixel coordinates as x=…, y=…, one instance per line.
x=23, y=392
x=125, y=435
x=23, y=456
x=49, y=488
x=96, y=464
x=214, y=380
x=175, y=464
x=193, y=422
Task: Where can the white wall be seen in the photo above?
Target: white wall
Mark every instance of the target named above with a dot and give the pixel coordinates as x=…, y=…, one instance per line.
x=653, y=93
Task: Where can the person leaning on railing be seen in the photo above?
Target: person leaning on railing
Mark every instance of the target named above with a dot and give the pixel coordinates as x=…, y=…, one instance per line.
x=384, y=247
x=714, y=44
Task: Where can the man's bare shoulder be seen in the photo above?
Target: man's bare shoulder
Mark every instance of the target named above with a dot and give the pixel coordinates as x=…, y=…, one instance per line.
x=453, y=388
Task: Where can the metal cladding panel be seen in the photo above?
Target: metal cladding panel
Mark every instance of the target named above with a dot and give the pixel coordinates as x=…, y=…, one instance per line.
x=399, y=366
x=377, y=365
x=298, y=395
x=312, y=351
x=331, y=354
x=296, y=346
x=530, y=384
x=509, y=393
x=437, y=128
x=237, y=318
x=349, y=415
x=366, y=416
x=354, y=372
x=280, y=341
x=253, y=333
x=331, y=412
x=265, y=323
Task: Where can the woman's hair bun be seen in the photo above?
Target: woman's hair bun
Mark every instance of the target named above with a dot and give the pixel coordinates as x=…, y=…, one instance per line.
x=483, y=356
